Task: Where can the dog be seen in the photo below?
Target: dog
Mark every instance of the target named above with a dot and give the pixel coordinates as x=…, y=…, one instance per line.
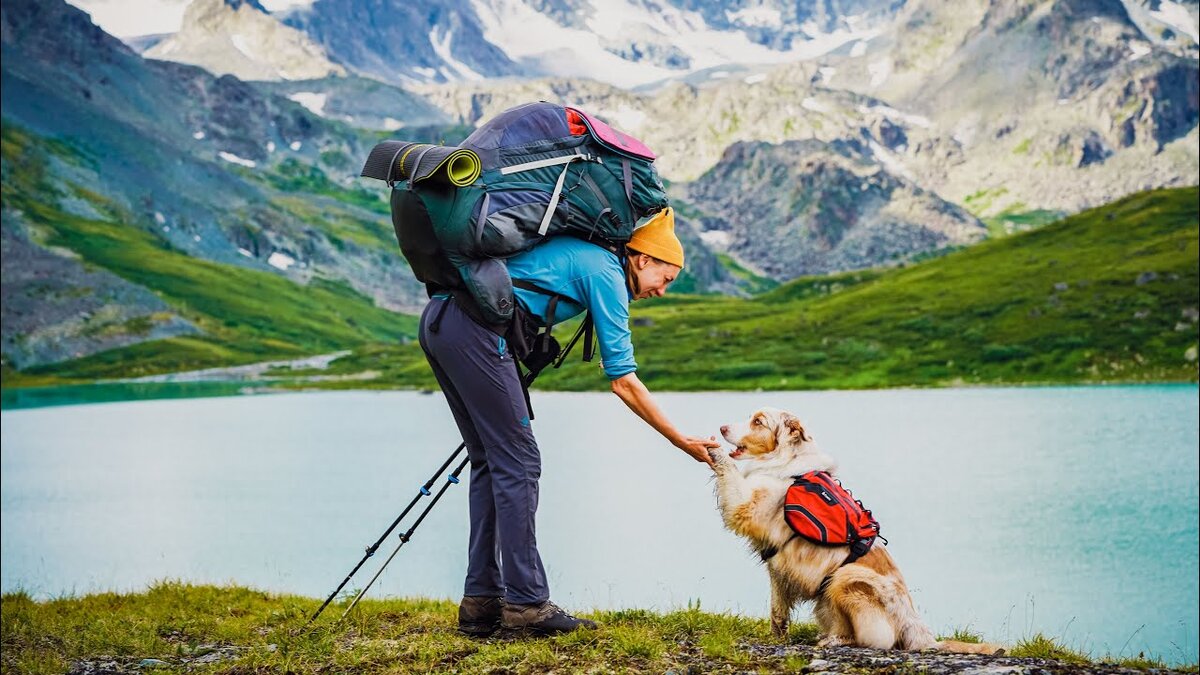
x=864, y=603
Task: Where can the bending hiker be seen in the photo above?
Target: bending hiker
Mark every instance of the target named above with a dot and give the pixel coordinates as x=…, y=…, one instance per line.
x=528, y=222
x=506, y=582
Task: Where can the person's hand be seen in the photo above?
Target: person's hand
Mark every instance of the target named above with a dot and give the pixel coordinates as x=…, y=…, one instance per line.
x=698, y=447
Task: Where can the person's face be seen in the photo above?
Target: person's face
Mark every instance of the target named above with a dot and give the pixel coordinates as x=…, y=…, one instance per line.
x=653, y=276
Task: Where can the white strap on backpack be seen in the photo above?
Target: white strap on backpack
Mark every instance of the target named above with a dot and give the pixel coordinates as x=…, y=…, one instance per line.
x=544, y=226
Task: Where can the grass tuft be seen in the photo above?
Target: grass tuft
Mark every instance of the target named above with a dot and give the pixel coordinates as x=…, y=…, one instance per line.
x=1042, y=647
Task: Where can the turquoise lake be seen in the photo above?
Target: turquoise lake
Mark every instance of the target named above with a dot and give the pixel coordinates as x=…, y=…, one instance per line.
x=1068, y=511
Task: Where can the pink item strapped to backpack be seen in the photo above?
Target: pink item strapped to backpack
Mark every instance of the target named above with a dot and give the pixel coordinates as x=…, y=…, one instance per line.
x=615, y=139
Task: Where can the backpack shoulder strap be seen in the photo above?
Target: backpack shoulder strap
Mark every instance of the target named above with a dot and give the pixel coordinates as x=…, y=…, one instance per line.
x=586, y=328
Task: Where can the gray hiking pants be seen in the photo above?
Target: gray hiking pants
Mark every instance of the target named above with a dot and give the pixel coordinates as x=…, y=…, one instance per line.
x=476, y=372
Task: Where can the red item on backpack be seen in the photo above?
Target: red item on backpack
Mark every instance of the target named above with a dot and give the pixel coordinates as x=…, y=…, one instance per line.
x=819, y=509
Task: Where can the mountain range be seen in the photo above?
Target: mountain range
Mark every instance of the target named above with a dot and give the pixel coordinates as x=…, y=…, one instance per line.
x=798, y=139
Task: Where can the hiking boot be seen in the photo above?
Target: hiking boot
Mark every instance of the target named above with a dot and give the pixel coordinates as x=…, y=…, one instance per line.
x=544, y=619
x=479, y=615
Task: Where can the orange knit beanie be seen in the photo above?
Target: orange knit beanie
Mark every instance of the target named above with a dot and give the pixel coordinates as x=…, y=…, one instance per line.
x=657, y=238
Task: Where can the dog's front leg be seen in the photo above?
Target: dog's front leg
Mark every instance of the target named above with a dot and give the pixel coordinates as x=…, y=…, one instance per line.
x=737, y=503
x=731, y=491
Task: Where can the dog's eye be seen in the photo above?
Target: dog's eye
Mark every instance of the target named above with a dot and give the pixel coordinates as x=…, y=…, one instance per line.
x=757, y=422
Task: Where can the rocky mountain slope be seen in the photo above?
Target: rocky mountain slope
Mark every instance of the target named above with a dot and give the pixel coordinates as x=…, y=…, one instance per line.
x=887, y=148
x=1006, y=108
x=805, y=208
x=360, y=102
x=1057, y=104
x=207, y=167
x=239, y=37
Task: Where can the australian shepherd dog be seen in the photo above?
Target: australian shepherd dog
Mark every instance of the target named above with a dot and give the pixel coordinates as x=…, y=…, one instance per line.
x=864, y=603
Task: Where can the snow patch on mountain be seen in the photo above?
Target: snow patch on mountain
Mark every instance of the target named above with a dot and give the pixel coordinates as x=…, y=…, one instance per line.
x=442, y=47
x=897, y=115
x=1178, y=17
x=234, y=159
x=312, y=100
x=133, y=18
x=283, y=6
x=880, y=71
x=588, y=51
x=281, y=261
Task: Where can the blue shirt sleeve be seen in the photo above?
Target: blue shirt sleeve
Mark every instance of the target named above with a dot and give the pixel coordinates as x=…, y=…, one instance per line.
x=604, y=293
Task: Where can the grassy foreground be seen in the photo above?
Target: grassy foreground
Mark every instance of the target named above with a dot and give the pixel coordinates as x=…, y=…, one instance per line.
x=240, y=630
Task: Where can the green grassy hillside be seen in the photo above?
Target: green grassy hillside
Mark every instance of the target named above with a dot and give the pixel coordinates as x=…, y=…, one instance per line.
x=245, y=315
x=1108, y=295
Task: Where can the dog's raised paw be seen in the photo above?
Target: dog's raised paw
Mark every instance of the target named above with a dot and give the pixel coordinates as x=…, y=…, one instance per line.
x=717, y=456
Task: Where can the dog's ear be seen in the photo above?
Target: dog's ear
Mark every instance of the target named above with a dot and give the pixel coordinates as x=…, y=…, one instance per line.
x=795, y=429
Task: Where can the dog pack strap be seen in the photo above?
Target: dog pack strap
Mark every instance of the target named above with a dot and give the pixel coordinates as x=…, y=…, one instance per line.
x=824, y=584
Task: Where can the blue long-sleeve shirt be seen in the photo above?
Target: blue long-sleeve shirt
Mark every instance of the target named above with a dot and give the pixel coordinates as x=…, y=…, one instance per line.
x=593, y=279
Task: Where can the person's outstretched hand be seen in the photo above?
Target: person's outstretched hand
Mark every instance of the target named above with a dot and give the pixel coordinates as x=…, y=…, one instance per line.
x=698, y=447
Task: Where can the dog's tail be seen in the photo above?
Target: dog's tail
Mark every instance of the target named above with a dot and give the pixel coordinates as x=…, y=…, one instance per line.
x=969, y=647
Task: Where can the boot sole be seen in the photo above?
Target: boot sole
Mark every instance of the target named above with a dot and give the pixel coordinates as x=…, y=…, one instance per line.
x=507, y=633
x=478, y=630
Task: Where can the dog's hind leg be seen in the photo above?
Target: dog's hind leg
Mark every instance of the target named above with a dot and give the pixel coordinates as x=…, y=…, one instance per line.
x=783, y=597
x=836, y=630
x=861, y=604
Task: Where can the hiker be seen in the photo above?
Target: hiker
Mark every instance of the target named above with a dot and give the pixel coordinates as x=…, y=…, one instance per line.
x=506, y=583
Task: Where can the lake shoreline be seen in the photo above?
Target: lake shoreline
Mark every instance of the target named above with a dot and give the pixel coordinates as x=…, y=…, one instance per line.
x=122, y=391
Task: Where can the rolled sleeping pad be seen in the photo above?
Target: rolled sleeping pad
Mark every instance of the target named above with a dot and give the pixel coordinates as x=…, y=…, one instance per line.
x=393, y=161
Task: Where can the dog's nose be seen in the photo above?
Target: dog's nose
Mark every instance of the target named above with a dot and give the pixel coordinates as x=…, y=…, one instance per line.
x=724, y=428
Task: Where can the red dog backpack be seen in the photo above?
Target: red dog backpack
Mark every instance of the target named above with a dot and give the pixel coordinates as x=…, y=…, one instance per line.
x=819, y=509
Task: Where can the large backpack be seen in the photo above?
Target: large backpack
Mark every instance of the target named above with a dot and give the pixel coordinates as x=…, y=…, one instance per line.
x=544, y=170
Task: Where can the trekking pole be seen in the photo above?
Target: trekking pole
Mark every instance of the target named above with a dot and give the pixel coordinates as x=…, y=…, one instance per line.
x=423, y=492
x=450, y=480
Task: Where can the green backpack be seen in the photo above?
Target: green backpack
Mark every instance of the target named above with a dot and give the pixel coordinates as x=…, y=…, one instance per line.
x=532, y=172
